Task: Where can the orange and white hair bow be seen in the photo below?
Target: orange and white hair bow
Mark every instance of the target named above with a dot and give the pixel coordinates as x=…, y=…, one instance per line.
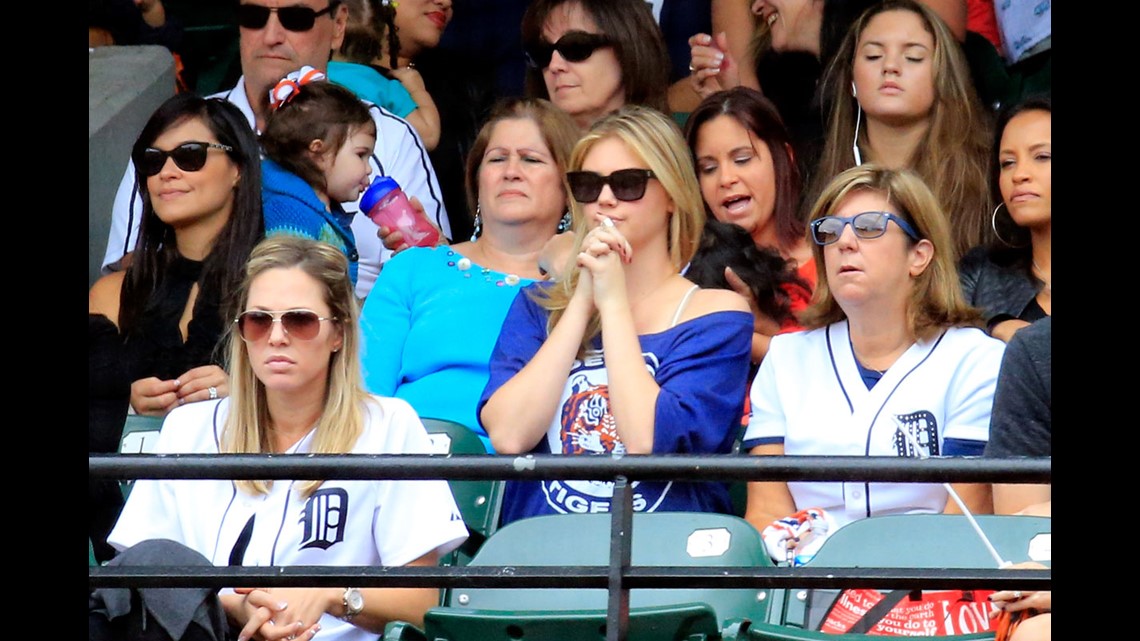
x=291, y=84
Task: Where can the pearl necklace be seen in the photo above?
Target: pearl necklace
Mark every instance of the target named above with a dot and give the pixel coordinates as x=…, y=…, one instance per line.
x=1040, y=272
x=463, y=264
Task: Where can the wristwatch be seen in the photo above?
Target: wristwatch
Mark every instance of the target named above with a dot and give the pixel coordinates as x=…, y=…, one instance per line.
x=353, y=603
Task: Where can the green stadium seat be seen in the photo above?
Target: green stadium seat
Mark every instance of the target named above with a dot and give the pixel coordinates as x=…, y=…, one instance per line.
x=140, y=436
x=905, y=541
x=479, y=501
x=683, y=539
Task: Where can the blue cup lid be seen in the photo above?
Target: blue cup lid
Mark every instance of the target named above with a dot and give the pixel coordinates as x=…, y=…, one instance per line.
x=381, y=186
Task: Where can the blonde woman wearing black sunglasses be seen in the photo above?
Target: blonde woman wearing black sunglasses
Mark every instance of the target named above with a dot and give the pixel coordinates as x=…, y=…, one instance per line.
x=623, y=355
x=297, y=389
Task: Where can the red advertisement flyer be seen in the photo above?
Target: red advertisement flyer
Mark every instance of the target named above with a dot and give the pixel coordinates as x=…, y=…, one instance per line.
x=942, y=613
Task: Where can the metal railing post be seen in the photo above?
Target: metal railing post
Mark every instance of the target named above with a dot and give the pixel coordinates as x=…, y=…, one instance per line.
x=621, y=523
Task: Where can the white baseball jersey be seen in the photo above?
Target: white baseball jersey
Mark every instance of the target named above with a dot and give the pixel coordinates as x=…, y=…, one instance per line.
x=344, y=522
x=809, y=395
x=399, y=153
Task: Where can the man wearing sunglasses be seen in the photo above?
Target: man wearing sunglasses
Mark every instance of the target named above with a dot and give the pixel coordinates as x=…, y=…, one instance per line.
x=277, y=37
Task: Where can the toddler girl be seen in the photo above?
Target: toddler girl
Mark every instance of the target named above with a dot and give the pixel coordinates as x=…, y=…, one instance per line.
x=317, y=142
x=367, y=63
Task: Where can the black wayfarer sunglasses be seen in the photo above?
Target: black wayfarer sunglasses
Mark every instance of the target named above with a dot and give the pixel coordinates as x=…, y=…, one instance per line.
x=189, y=156
x=574, y=46
x=295, y=18
x=626, y=184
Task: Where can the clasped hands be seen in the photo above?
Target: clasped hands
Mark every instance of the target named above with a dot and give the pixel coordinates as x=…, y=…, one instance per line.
x=600, y=260
x=279, y=614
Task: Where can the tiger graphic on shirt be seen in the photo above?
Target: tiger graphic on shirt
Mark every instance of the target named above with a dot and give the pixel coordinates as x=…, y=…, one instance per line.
x=586, y=426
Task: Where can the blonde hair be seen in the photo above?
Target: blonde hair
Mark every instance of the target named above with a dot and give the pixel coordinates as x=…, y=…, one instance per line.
x=657, y=141
x=342, y=419
x=953, y=155
x=936, y=300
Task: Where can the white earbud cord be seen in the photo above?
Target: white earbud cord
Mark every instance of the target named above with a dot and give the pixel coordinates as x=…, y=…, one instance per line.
x=961, y=505
x=855, y=143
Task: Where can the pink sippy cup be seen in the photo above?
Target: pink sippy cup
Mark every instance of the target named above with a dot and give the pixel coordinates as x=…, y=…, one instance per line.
x=387, y=205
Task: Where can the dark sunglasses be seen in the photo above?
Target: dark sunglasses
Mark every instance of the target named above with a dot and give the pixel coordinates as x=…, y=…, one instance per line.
x=574, y=46
x=867, y=225
x=626, y=184
x=189, y=156
x=302, y=324
x=255, y=16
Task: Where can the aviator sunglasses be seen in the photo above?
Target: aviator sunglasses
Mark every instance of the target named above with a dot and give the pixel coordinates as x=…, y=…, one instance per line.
x=189, y=156
x=866, y=225
x=574, y=46
x=626, y=184
x=295, y=18
x=302, y=324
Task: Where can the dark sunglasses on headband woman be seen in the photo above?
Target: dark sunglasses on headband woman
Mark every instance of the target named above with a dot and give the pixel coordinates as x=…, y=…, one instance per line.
x=189, y=156
x=302, y=324
x=626, y=184
x=573, y=46
x=295, y=18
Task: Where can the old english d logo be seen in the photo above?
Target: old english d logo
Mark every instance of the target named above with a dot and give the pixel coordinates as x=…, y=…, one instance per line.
x=324, y=518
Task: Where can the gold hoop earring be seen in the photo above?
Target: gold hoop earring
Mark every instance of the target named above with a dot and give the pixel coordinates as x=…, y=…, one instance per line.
x=993, y=225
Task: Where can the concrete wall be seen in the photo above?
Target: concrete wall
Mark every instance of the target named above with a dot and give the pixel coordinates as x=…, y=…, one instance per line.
x=125, y=86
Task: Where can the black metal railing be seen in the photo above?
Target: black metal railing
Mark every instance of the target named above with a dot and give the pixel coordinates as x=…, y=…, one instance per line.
x=619, y=577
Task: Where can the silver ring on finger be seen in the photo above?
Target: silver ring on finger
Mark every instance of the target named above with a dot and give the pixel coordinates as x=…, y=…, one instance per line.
x=213, y=392
x=1017, y=594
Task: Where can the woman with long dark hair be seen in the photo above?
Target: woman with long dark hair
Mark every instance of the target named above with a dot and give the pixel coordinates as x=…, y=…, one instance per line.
x=1011, y=279
x=198, y=171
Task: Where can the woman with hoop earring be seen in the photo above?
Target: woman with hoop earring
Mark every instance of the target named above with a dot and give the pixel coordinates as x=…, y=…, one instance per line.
x=1012, y=279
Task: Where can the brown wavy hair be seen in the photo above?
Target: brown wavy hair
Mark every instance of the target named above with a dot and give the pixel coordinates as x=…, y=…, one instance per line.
x=952, y=157
x=320, y=110
x=757, y=114
x=557, y=128
x=936, y=300
x=638, y=44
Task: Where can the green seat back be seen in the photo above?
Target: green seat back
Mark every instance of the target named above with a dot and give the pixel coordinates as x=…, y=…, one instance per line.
x=683, y=622
x=909, y=541
x=683, y=539
x=478, y=501
x=931, y=541
x=140, y=436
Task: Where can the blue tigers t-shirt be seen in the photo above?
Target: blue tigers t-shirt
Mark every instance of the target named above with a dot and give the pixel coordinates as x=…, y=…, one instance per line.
x=701, y=366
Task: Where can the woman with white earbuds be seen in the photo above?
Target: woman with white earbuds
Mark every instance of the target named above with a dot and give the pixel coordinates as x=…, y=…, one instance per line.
x=911, y=104
x=782, y=47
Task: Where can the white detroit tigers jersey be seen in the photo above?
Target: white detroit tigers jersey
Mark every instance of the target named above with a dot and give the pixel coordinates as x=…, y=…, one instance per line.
x=809, y=395
x=345, y=522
